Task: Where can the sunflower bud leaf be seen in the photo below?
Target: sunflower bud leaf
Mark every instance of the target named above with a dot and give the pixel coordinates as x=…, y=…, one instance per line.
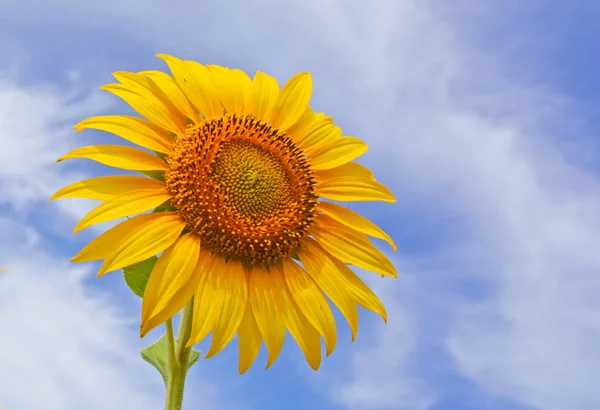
x=136, y=276
x=157, y=355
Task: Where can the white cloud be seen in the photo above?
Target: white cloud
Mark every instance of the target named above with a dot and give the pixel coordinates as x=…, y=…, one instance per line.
x=63, y=346
x=535, y=339
x=530, y=225
x=35, y=124
x=380, y=376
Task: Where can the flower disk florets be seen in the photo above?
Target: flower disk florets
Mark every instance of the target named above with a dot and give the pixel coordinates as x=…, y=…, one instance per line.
x=243, y=187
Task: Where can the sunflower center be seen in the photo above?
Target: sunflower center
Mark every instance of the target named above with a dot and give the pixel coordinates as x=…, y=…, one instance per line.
x=243, y=187
x=254, y=182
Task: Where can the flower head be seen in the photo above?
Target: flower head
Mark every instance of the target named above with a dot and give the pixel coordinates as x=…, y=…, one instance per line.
x=236, y=170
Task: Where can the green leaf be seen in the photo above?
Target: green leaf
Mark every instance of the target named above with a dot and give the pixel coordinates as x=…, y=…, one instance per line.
x=136, y=276
x=157, y=355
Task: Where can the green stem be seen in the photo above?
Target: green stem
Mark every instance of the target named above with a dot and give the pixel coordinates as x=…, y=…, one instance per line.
x=179, y=356
x=170, y=342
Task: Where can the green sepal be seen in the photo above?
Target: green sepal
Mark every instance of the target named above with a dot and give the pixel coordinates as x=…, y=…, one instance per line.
x=194, y=356
x=161, y=155
x=157, y=355
x=166, y=207
x=137, y=275
x=158, y=175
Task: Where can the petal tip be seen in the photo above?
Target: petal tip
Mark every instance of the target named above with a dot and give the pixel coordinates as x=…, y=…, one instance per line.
x=109, y=87
x=391, y=197
x=270, y=362
x=144, y=329
x=79, y=127
x=166, y=57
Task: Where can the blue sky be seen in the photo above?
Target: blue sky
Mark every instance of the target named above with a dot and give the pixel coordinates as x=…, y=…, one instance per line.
x=480, y=116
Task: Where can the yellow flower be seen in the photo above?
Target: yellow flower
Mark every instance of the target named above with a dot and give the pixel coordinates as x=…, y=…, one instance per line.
x=239, y=168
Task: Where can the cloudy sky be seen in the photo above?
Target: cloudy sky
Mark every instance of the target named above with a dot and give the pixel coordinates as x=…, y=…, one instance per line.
x=481, y=116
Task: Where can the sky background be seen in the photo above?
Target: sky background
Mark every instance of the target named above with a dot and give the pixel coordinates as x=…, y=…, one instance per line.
x=482, y=118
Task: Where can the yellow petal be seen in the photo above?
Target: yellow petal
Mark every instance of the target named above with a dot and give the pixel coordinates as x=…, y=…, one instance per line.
x=363, y=294
x=146, y=230
x=143, y=84
x=130, y=203
x=325, y=221
x=315, y=142
x=172, y=283
x=339, y=152
x=196, y=82
x=178, y=302
x=249, y=340
x=228, y=89
x=300, y=328
x=151, y=234
x=265, y=90
x=147, y=99
x=321, y=132
x=350, y=169
x=133, y=129
x=353, y=247
x=209, y=296
x=300, y=129
x=119, y=156
x=245, y=84
x=354, y=189
x=170, y=87
x=324, y=273
x=267, y=306
x=104, y=188
x=355, y=221
x=292, y=101
x=311, y=302
x=234, y=284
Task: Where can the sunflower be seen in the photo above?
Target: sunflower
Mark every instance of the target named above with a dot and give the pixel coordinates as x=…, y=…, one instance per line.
x=236, y=177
